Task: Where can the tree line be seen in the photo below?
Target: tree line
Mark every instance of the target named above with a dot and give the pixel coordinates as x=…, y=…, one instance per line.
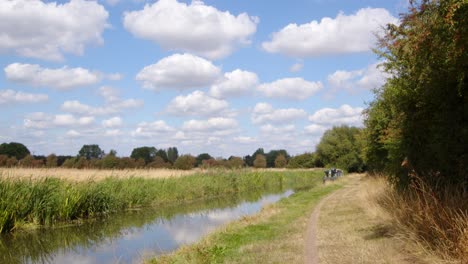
x=337, y=148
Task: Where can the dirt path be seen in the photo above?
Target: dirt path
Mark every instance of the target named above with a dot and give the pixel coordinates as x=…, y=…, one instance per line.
x=311, y=252
x=343, y=228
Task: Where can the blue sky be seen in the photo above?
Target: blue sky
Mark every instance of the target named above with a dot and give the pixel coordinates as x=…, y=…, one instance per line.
x=223, y=77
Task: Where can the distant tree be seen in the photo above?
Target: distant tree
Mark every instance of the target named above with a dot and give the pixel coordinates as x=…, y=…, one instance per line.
x=110, y=161
x=340, y=147
x=271, y=156
x=26, y=162
x=185, y=162
x=306, y=160
x=248, y=160
x=200, y=158
x=61, y=159
x=280, y=161
x=11, y=162
x=139, y=163
x=126, y=163
x=91, y=151
x=158, y=163
x=81, y=163
x=145, y=153
x=260, y=161
x=235, y=162
x=51, y=161
x=163, y=154
x=172, y=154
x=3, y=160
x=69, y=163
x=37, y=163
x=14, y=149
x=209, y=163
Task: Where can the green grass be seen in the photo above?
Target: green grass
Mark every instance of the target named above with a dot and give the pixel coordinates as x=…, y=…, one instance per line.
x=271, y=236
x=51, y=201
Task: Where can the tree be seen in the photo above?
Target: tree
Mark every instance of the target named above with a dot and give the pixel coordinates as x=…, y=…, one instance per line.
x=235, y=162
x=14, y=149
x=51, y=161
x=260, y=161
x=306, y=160
x=172, y=154
x=271, y=156
x=145, y=153
x=419, y=115
x=91, y=152
x=201, y=157
x=110, y=161
x=184, y=162
x=27, y=162
x=339, y=147
x=159, y=162
x=162, y=154
x=280, y=161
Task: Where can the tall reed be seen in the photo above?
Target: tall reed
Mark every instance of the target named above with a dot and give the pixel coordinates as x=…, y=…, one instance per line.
x=51, y=200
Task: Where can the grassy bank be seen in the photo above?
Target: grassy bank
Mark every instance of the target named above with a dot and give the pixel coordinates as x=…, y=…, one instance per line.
x=275, y=235
x=49, y=201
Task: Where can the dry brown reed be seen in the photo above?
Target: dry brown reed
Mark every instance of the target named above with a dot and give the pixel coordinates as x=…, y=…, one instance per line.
x=89, y=174
x=435, y=221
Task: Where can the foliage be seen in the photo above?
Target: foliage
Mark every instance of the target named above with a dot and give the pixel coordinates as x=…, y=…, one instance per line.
x=260, y=161
x=91, y=152
x=234, y=162
x=51, y=161
x=14, y=149
x=342, y=147
x=185, y=162
x=420, y=114
x=145, y=153
x=162, y=154
x=201, y=157
x=306, y=160
x=172, y=154
x=273, y=154
x=27, y=162
x=159, y=162
x=280, y=161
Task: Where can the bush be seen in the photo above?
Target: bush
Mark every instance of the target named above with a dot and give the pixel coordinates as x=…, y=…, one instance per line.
x=280, y=161
x=185, y=162
x=260, y=161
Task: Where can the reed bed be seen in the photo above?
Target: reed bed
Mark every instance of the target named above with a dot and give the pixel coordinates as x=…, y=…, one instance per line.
x=47, y=201
x=89, y=174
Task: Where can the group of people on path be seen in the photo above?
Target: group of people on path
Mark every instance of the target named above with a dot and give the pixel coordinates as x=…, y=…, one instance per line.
x=332, y=174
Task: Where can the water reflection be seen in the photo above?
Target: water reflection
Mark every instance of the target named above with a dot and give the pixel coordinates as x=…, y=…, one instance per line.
x=130, y=236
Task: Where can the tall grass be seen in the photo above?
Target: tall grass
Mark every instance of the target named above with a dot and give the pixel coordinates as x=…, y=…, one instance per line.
x=437, y=221
x=51, y=200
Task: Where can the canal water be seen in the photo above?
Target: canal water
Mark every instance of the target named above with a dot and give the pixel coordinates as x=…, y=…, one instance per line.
x=131, y=236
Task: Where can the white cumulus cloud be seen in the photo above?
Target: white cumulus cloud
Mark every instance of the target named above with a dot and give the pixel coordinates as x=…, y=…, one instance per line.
x=115, y=121
x=367, y=79
x=40, y=120
x=9, y=96
x=342, y=34
x=344, y=115
x=234, y=83
x=196, y=103
x=195, y=28
x=37, y=29
x=290, y=88
x=178, y=71
x=214, y=124
x=152, y=129
x=62, y=78
x=265, y=113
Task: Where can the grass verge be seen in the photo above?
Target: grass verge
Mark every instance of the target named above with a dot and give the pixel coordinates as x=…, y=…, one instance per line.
x=275, y=235
x=49, y=201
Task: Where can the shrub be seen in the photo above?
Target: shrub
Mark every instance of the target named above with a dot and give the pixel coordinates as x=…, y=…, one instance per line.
x=260, y=161
x=185, y=162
